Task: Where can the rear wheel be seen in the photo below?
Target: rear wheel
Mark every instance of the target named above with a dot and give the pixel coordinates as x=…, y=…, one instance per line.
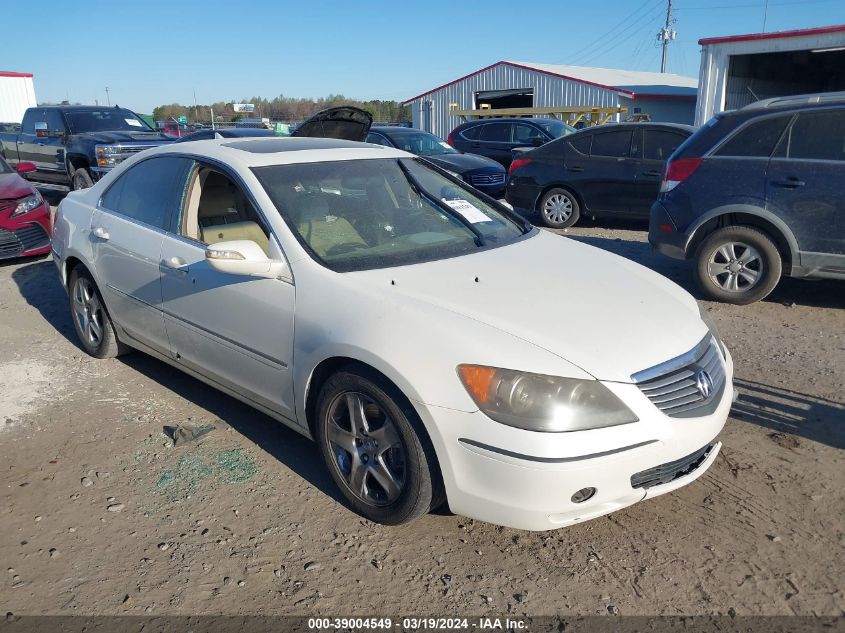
x=90, y=319
x=384, y=468
x=559, y=209
x=81, y=179
x=738, y=264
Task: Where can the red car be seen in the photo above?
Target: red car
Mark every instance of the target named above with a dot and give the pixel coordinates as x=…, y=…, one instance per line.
x=24, y=215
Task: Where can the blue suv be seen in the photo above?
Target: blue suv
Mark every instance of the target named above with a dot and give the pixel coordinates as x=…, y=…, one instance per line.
x=758, y=193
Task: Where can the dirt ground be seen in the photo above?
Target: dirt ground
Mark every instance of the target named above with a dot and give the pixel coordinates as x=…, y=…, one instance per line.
x=99, y=515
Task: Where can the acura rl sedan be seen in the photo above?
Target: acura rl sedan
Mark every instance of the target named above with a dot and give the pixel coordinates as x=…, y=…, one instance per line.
x=374, y=303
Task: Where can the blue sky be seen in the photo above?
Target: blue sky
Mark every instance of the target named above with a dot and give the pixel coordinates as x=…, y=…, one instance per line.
x=156, y=52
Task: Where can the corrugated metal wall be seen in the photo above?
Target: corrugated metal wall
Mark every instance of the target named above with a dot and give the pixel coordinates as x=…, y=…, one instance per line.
x=549, y=91
x=16, y=95
x=662, y=110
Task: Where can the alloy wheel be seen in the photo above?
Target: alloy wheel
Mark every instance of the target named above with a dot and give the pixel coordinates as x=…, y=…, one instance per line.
x=367, y=450
x=735, y=267
x=88, y=312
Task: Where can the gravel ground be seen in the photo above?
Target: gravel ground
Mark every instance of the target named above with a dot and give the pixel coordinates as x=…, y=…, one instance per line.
x=100, y=515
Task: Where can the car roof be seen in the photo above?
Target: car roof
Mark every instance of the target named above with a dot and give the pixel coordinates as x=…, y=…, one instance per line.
x=635, y=124
x=523, y=119
x=262, y=151
x=794, y=101
x=397, y=129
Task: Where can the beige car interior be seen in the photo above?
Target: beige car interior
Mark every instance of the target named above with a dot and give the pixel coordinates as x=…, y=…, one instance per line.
x=217, y=211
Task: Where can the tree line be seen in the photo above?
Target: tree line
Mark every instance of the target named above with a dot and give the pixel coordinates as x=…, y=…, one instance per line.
x=281, y=108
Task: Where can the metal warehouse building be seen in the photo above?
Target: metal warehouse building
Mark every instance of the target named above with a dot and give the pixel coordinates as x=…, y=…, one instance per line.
x=506, y=84
x=16, y=95
x=740, y=69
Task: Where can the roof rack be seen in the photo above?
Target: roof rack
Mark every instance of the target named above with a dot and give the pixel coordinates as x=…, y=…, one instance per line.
x=794, y=100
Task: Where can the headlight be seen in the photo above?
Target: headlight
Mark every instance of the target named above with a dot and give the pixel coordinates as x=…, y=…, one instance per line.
x=543, y=403
x=30, y=203
x=107, y=155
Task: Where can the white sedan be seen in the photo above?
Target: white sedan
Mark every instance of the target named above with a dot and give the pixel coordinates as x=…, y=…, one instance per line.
x=437, y=348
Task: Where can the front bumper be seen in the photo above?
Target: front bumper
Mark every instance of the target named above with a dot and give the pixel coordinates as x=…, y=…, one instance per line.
x=663, y=235
x=26, y=235
x=526, y=480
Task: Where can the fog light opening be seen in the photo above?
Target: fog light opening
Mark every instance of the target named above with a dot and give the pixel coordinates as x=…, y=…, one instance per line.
x=585, y=494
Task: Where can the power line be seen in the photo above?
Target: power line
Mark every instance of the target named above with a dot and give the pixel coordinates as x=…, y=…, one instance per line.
x=601, y=40
x=644, y=22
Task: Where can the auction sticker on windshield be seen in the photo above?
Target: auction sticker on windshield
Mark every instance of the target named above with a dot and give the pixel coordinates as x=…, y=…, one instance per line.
x=470, y=212
x=133, y=122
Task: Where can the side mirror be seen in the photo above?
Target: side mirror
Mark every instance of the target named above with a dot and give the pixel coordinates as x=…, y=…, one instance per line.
x=243, y=257
x=24, y=167
x=41, y=129
x=537, y=141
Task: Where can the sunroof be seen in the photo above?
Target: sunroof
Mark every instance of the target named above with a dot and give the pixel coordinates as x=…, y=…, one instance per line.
x=273, y=145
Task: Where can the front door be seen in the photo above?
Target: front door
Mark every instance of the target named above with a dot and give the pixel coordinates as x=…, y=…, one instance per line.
x=126, y=233
x=804, y=186
x=235, y=330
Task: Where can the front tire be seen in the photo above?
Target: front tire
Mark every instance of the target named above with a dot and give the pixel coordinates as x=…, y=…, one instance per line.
x=738, y=264
x=367, y=433
x=90, y=320
x=559, y=209
x=81, y=179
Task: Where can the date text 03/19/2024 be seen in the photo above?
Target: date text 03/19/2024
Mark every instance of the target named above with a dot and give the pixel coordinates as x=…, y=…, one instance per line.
x=416, y=624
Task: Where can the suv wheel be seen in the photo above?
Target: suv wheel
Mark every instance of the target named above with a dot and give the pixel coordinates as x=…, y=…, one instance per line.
x=738, y=264
x=382, y=465
x=559, y=209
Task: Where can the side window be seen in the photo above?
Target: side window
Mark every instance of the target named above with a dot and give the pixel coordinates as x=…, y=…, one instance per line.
x=525, y=133
x=757, y=140
x=150, y=191
x=616, y=144
x=29, y=118
x=659, y=144
x=581, y=143
x=471, y=133
x=54, y=120
x=496, y=133
x=217, y=210
x=818, y=136
x=378, y=139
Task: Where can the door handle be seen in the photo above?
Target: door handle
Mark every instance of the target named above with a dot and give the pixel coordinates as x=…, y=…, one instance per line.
x=100, y=233
x=176, y=263
x=789, y=183
x=575, y=168
x=653, y=172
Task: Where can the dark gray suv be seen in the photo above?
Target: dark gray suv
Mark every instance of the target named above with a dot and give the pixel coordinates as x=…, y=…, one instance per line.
x=758, y=193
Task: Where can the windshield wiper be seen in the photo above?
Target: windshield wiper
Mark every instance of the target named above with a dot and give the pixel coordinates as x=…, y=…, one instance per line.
x=420, y=191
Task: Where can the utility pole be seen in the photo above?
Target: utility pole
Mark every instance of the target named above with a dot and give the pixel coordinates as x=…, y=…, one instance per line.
x=196, y=109
x=108, y=98
x=666, y=35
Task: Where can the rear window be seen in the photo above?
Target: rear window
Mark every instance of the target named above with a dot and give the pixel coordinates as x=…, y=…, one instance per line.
x=757, y=140
x=616, y=144
x=659, y=144
x=471, y=133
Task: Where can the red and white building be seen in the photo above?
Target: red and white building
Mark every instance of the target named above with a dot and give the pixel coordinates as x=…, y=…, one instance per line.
x=17, y=93
x=739, y=69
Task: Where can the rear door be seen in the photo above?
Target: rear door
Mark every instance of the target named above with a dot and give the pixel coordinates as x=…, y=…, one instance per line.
x=607, y=176
x=654, y=148
x=236, y=330
x=494, y=141
x=127, y=232
x=806, y=186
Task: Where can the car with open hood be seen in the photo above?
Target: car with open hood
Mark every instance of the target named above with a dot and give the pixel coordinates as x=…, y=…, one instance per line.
x=380, y=306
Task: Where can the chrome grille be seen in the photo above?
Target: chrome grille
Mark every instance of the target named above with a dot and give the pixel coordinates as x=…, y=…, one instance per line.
x=670, y=471
x=487, y=179
x=678, y=388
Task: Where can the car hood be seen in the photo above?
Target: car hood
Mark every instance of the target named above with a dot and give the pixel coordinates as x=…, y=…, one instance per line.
x=121, y=136
x=464, y=162
x=13, y=187
x=345, y=122
x=601, y=312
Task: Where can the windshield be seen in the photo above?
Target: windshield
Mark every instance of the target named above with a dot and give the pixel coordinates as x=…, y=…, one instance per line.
x=105, y=120
x=421, y=144
x=364, y=214
x=555, y=127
